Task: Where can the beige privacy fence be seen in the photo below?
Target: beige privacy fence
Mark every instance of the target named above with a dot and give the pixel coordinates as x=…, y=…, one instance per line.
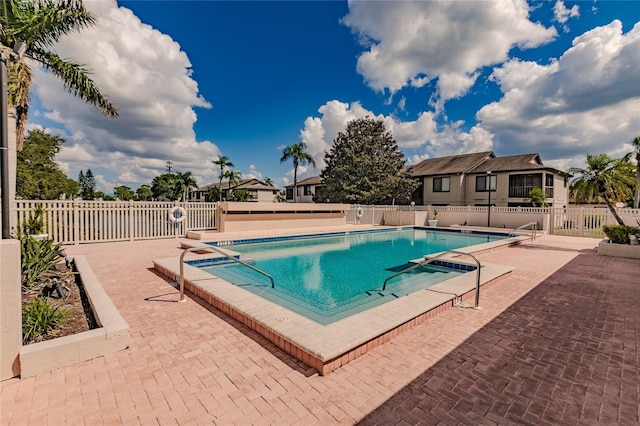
x=78, y=221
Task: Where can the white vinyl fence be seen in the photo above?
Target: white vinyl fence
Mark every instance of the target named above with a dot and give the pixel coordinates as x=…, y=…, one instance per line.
x=588, y=222
x=78, y=221
x=574, y=221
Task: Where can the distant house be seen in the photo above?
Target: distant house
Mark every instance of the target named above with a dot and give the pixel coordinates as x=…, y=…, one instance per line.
x=471, y=179
x=306, y=190
x=258, y=190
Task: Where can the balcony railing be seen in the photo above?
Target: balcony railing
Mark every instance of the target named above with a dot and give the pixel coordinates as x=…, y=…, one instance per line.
x=523, y=191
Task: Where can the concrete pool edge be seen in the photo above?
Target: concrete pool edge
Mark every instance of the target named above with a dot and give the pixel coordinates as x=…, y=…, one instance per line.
x=326, y=348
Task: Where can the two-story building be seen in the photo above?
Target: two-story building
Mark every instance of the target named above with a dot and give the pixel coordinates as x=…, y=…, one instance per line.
x=258, y=190
x=306, y=190
x=481, y=178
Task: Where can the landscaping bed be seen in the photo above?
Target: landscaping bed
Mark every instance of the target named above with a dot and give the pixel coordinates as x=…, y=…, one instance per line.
x=79, y=316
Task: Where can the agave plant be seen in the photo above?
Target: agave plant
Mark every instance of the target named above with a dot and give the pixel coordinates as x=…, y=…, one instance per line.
x=39, y=260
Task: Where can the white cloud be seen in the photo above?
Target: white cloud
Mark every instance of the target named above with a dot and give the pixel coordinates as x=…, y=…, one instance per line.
x=253, y=173
x=562, y=14
x=148, y=78
x=452, y=86
x=586, y=101
x=412, y=43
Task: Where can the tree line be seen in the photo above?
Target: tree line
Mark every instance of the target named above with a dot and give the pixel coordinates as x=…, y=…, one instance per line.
x=364, y=166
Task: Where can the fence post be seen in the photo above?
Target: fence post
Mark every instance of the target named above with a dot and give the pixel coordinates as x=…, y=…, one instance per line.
x=176, y=224
x=131, y=212
x=581, y=224
x=76, y=222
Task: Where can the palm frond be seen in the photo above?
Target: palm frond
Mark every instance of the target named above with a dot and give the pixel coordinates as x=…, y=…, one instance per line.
x=42, y=23
x=75, y=79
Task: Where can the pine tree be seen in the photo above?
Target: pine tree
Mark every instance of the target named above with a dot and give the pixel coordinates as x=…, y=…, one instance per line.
x=365, y=166
x=87, y=185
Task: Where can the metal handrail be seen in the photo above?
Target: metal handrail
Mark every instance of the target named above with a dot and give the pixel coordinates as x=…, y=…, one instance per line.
x=428, y=261
x=217, y=250
x=534, y=229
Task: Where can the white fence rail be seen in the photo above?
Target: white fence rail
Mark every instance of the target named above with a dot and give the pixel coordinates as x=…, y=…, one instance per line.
x=76, y=222
x=588, y=222
x=574, y=221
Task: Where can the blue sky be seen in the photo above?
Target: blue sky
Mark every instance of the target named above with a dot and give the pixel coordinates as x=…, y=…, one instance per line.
x=196, y=79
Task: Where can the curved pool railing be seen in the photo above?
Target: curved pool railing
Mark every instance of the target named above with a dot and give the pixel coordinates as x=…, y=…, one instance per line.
x=226, y=255
x=433, y=259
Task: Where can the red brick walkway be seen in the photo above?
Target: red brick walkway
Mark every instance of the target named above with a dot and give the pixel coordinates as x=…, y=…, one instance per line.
x=565, y=353
x=555, y=343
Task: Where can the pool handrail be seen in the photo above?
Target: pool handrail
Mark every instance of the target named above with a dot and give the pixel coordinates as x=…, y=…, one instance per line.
x=217, y=250
x=534, y=229
x=432, y=259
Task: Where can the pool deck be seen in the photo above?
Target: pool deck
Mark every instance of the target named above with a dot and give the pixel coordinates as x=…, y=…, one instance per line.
x=556, y=342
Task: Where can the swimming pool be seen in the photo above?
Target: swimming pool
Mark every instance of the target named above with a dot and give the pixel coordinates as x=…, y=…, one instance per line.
x=328, y=277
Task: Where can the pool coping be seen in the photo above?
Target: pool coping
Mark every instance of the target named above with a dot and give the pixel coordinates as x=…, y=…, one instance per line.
x=327, y=347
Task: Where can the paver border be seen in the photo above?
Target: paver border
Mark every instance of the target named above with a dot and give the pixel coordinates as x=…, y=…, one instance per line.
x=113, y=334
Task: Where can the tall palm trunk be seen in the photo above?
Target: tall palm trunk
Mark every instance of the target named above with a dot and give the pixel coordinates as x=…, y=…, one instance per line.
x=636, y=197
x=295, y=183
x=220, y=184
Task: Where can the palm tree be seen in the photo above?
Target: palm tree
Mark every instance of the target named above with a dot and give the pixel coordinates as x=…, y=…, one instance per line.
x=605, y=177
x=233, y=176
x=538, y=198
x=636, y=149
x=40, y=24
x=184, y=182
x=298, y=153
x=223, y=162
x=268, y=181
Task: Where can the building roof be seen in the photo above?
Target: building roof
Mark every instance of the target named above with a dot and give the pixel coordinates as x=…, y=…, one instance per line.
x=249, y=184
x=509, y=163
x=313, y=180
x=513, y=163
x=450, y=165
x=480, y=162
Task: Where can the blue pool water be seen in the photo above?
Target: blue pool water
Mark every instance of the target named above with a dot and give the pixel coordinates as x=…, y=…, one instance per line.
x=330, y=277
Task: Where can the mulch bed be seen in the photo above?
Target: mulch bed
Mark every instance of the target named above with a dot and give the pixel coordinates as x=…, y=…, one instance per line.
x=79, y=316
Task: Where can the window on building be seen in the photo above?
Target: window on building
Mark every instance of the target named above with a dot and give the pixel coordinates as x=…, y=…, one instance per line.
x=482, y=183
x=441, y=184
x=289, y=193
x=521, y=185
x=307, y=190
x=548, y=180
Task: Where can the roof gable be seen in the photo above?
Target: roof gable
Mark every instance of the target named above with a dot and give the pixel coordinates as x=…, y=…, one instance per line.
x=450, y=165
x=510, y=163
x=251, y=184
x=313, y=180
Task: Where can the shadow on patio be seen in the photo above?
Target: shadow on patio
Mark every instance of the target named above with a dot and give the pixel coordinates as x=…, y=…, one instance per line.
x=565, y=353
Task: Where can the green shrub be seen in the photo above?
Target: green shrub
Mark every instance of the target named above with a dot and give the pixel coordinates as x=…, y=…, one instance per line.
x=35, y=224
x=619, y=234
x=39, y=259
x=39, y=317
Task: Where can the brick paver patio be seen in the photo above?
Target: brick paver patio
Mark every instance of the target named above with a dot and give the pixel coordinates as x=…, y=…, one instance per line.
x=555, y=343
